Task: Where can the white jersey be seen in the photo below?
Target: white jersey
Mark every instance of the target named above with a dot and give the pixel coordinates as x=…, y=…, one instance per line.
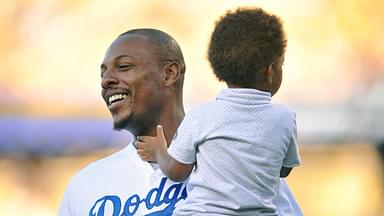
x=123, y=184
x=239, y=143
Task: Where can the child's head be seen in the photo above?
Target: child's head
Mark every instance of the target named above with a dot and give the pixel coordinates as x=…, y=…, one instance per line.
x=247, y=49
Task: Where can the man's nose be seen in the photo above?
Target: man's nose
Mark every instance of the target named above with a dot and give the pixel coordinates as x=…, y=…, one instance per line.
x=108, y=80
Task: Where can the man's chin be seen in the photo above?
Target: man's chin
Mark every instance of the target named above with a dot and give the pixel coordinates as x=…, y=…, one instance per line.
x=118, y=126
x=125, y=125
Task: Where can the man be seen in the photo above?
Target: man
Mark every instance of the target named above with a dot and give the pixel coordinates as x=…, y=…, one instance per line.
x=142, y=80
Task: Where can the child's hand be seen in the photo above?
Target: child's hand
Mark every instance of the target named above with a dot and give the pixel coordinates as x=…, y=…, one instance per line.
x=148, y=147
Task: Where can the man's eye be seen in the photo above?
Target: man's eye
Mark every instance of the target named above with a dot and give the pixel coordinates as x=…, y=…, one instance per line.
x=124, y=67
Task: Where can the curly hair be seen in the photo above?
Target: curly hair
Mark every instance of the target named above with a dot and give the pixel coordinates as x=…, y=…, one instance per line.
x=244, y=43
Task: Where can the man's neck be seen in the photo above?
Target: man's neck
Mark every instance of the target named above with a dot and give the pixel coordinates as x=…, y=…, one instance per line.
x=171, y=123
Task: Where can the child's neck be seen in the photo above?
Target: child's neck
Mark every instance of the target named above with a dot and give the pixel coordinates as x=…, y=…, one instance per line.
x=248, y=87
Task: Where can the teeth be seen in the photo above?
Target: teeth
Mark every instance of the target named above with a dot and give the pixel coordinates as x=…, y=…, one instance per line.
x=115, y=97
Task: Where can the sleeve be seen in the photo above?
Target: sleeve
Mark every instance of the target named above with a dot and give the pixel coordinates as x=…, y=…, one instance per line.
x=73, y=198
x=184, y=142
x=286, y=204
x=292, y=157
x=65, y=206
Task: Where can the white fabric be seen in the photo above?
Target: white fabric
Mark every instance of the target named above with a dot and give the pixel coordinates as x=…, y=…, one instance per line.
x=121, y=183
x=239, y=142
x=106, y=186
x=284, y=201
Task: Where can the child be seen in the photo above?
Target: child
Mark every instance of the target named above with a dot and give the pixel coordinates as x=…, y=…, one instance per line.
x=240, y=144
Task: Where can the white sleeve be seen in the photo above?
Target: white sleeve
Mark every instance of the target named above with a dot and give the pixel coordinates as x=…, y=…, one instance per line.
x=184, y=142
x=65, y=206
x=286, y=204
x=292, y=157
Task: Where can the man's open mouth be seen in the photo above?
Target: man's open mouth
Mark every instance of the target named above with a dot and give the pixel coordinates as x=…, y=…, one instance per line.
x=115, y=98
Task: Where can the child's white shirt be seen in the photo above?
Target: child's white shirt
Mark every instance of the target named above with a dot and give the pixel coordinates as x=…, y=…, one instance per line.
x=239, y=142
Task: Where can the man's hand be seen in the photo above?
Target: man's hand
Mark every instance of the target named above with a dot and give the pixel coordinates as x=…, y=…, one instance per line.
x=149, y=148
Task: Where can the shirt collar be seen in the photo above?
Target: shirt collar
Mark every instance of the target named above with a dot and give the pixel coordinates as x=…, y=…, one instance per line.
x=245, y=96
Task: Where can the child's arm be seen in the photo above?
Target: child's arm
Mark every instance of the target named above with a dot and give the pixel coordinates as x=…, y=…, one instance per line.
x=155, y=149
x=292, y=157
x=284, y=172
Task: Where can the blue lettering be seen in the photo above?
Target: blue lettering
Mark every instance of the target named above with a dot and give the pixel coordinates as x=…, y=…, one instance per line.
x=154, y=198
x=131, y=201
x=184, y=194
x=116, y=203
x=164, y=212
x=176, y=190
x=159, y=191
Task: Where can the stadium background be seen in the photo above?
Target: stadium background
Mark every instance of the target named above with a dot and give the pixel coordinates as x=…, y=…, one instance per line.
x=53, y=121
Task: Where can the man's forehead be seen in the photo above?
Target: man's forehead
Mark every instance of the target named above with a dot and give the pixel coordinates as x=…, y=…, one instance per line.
x=133, y=36
x=131, y=45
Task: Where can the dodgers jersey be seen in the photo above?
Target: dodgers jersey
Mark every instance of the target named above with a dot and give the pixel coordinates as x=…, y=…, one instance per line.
x=123, y=184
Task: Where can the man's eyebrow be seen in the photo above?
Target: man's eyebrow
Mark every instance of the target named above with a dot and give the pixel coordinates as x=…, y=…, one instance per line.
x=117, y=58
x=122, y=56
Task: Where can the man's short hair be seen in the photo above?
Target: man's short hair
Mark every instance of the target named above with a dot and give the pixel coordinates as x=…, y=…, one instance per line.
x=164, y=45
x=243, y=43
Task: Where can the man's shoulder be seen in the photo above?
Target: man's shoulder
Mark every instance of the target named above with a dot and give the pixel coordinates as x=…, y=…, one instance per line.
x=121, y=179
x=102, y=163
x=123, y=163
x=118, y=173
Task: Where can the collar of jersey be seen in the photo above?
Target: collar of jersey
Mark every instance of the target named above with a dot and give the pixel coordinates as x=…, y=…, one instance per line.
x=132, y=153
x=245, y=96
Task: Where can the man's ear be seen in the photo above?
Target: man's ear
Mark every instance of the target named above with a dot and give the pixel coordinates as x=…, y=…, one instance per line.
x=172, y=73
x=269, y=73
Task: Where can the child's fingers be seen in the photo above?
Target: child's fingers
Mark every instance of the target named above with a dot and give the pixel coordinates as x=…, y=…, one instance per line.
x=144, y=138
x=140, y=153
x=160, y=131
x=140, y=138
x=143, y=155
x=139, y=145
x=136, y=144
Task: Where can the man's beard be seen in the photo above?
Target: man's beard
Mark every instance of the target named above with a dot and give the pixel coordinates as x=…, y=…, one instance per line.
x=139, y=124
x=134, y=126
x=122, y=121
x=119, y=125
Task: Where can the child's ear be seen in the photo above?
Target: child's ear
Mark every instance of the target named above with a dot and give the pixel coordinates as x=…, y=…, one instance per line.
x=172, y=71
x=269, y=73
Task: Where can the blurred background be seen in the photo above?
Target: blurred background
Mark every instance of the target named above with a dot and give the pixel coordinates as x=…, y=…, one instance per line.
x=53, y=121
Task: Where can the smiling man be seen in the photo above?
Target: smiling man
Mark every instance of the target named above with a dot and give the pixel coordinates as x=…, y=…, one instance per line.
x=142, y=76
x=142, y=80
x=132, y=74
